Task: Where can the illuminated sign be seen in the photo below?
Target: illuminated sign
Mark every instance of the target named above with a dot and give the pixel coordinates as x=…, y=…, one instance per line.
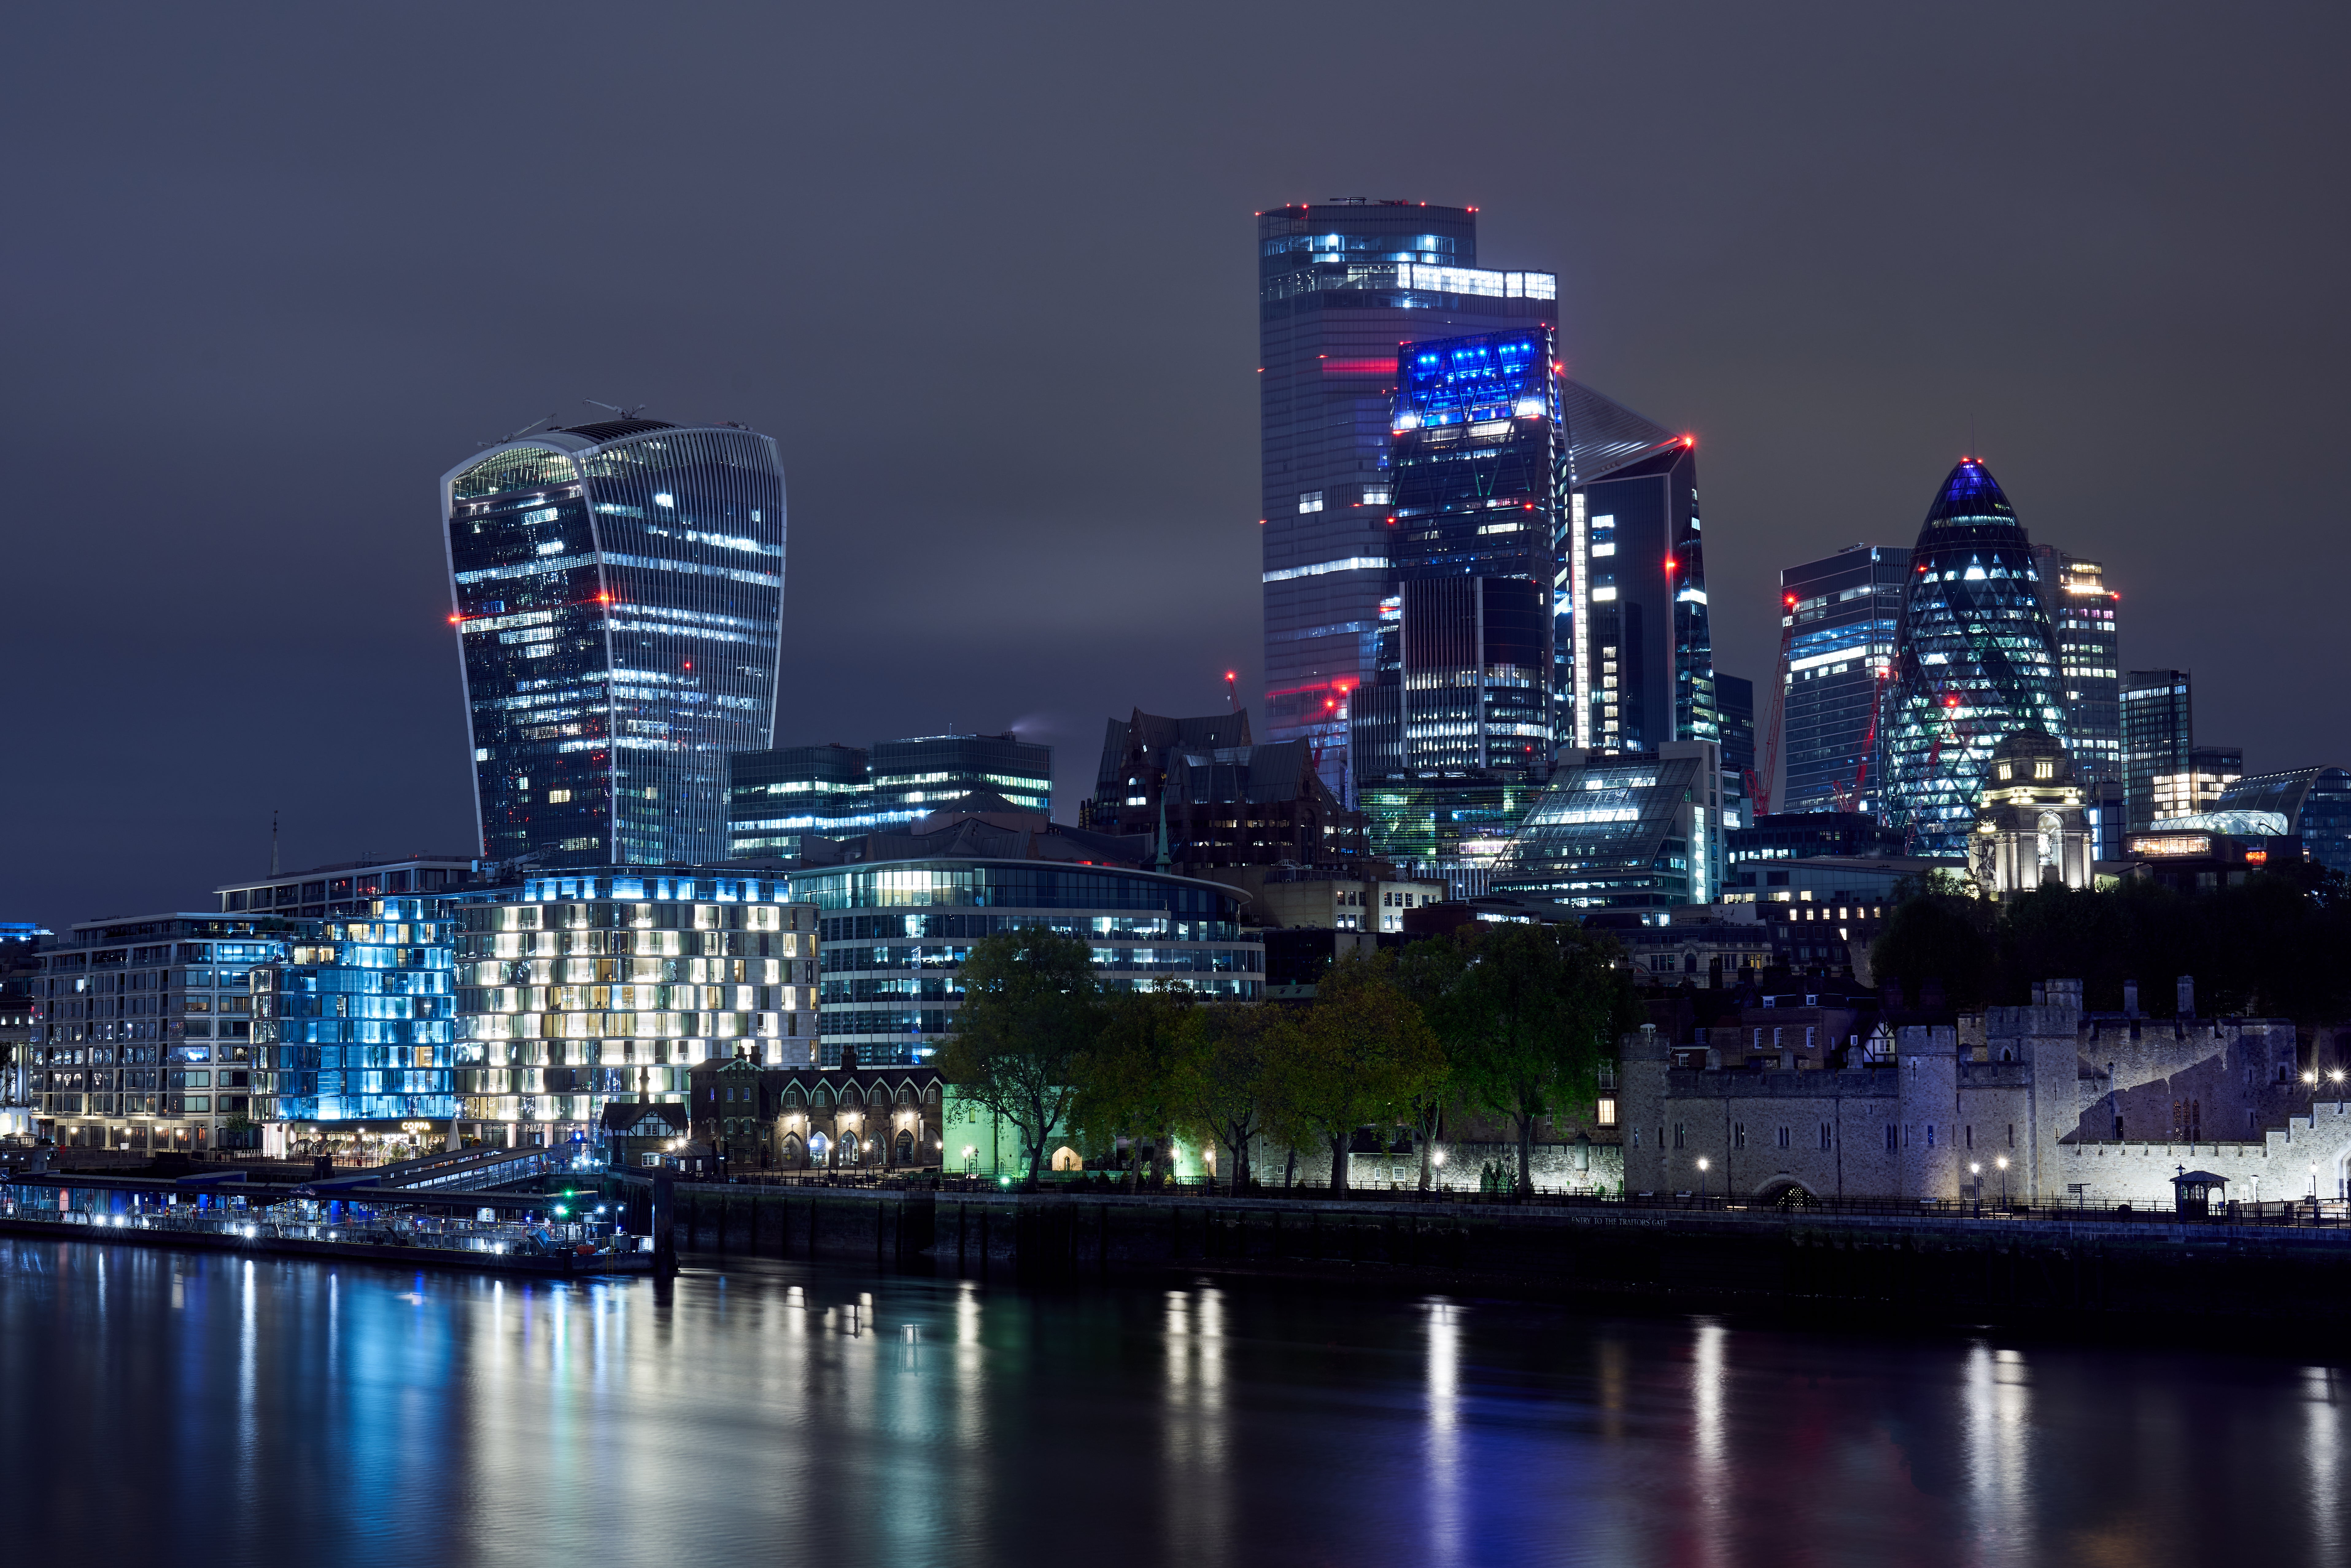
x=416, y=1126
x=2172, y=844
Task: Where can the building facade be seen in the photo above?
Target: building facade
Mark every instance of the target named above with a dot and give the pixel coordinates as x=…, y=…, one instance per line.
x=2032, y=827
x=2089, y=659
x=1639, y=667
x=1840, y=614
x=354, y=1032
x=2199, y=786
x=776, y=797
x=880, y=1118
x=1623, y=831
x=1805, y=835
x=143, y=1032
x=1734, y=701
x=2311, y=804
x=617, y=592
x=614, y=982
x=2158, y=737
x=1340, y=285
x=1975, y=660
x=895, y=933
x=346, y=890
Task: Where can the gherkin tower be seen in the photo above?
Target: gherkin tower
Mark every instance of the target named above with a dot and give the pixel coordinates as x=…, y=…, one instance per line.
x=1975, y=660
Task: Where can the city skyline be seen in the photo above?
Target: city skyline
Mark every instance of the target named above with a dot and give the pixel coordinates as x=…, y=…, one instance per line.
x=1101, y=551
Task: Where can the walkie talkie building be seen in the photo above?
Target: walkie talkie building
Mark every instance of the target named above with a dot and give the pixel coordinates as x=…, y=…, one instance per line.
x=1975, y=660
x=618, y=595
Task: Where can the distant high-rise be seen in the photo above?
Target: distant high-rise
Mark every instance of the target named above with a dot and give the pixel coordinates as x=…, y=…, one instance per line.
x=1340, y=286
x=2158, y=737
x=1462, y=683
x=913, y=777
x=1842, y=612
x=2081, y=607
x=618, y=596
x=2198, y=786
x=1975, y=660
x=1734, y=702
x=1638, y=666
x=775, y=798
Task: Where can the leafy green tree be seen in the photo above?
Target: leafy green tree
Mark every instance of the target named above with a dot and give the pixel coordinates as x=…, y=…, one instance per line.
x=1539, y=1011
x=1126, y=1080
x=1940, y=937
x=1430, y=973
x=1223, y=1084
x=1031, y=1009
x=1358, y=1057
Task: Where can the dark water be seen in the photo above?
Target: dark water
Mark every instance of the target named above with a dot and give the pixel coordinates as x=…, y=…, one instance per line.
x=163, y=1407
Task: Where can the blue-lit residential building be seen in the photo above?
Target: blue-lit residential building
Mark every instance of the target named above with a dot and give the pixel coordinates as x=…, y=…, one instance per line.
x=354, y=1031
x=1840, y=614
x=143, y=1032
x=1975, y=661
x=579, y=987
x=1340, y=285
x=899, y=912
x=617, y=592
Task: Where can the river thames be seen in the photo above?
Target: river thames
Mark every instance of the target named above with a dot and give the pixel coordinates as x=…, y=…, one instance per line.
x=215, y=1409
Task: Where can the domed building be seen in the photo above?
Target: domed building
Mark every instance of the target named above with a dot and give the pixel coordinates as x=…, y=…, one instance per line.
x=1975, y=661
x=2031, y=830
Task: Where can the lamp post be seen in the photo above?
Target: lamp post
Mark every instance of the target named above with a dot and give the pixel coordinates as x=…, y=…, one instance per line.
x=1701, y=1180
x=2002, y=1164
x=1975, y=1169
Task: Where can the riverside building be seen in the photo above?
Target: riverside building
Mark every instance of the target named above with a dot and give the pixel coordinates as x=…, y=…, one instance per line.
x=1975, y=661
x=143, y=1032
x=1340, y=285
x=578, y=988
x=617, y=592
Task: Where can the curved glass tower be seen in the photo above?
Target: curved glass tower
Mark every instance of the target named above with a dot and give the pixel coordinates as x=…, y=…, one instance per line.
x=618, y=596
x=1975, y=660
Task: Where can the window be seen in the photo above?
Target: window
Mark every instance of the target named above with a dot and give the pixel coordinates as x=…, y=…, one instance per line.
x=1783, y=1138
x=1826, y=1130
x=2011, y=1135
x=1680, y=1140
x=1971, y=1135
x=1604, y=1113
x=1930, y=1134
x=1739, y=1134
x=1309, y=501
x=558, y=797
x=1889, y=1137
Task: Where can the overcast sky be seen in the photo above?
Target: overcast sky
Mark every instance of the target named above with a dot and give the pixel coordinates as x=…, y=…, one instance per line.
x=986, y=274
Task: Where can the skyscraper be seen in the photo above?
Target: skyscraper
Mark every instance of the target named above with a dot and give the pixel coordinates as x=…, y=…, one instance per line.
x=1734, y=702
x=617, y=590
x=1461, y=687
x=1340, y=286
x=1975, y=660
x=2081, y=607
x=1630, y=595
x=1841, y=613
x=2158, y=737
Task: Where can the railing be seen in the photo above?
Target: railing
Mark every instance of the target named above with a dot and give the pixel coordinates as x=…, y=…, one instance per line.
x=319, y=1220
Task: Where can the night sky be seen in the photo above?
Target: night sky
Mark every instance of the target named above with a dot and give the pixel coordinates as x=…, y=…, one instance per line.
x=987, y=276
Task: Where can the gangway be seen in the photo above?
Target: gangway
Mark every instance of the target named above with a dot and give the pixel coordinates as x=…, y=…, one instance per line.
x=460, y=1170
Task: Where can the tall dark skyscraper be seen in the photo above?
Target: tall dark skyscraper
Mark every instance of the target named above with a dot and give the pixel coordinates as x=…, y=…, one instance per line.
x=1975, y=660
x=1340, y=285
x=2158, y=740
x=1639, y=664
x=618, y=597
x=1841, y=613
x=2083, y=609
x=1734, y=701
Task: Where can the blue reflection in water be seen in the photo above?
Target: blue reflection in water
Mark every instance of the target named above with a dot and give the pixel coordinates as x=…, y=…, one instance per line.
x=274, y=1411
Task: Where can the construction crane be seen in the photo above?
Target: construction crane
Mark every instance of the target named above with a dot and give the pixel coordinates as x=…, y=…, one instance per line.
x=1759, y=789
x=1848, y=792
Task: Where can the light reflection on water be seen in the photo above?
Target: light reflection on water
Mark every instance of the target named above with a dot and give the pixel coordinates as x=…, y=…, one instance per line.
x=275, y=1411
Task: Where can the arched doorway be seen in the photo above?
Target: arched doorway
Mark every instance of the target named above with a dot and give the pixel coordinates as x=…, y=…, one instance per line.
x=1786, y=1193
x=820, y=1147
x=1066, y=1158
x=848, y=1155
x=903, y=1149
x=794, y=1156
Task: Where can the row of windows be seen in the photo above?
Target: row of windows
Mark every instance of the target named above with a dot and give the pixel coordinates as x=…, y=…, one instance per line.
x=1897, y=1135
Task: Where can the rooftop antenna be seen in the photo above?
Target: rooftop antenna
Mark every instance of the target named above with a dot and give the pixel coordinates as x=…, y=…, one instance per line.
x=1232, y=700
x=273, y=841
x=623, y=412
x=501, y=441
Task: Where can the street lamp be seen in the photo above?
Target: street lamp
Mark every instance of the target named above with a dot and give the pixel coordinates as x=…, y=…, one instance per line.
x=1701, y=1179
x=2002, y=1164
x=1975, y=1169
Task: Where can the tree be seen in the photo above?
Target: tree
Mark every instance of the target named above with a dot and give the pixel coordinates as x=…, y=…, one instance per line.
x=1938, y=936
x=1430, y=971
x=1030, y=1009
x=1126, y=1078
x=1540, y=1008
x=1357, y=1059
x=1222, y=1087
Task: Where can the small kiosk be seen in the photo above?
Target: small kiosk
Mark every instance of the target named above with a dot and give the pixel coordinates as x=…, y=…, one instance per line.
x=2195, y=1194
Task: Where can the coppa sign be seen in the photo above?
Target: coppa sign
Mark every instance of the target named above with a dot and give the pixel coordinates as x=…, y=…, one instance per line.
x=416, y=1126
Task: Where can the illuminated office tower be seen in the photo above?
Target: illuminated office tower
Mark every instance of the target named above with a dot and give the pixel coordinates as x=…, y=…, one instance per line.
x=2158, y=739
x=2082, y=608
x=1734, y=703
x=618, y=596
x=1340, y=286
x=1975, y=660
x=1631, y=593
x=1841, y=613
x=913, y=777
x=775, y=798
x=2198, y=786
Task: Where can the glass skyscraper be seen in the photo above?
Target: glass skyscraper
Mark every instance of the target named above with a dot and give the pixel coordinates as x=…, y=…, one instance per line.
x=776, y=797
x=1975, y=660
x=357, y=1024
x=1632, y=600
x=2082, y=608
x=1841, y=613
x=1340, y=285
x=618, y=595
x=2158, y=737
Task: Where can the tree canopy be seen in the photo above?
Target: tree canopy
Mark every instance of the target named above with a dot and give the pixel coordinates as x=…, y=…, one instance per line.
x=1031, y=1010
